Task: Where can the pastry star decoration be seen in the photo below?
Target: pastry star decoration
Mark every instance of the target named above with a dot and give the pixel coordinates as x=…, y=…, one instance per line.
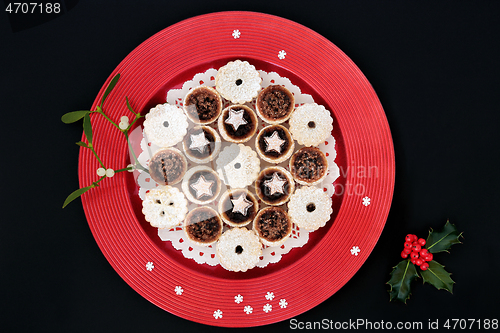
x=199, y=142
x=241, y=204
x=236, y=119
x=202, y=187
x=275, y=184
x=274, y=142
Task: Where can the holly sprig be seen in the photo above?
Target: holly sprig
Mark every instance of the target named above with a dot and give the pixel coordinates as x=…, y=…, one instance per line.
x=123, y=126
x=420, y=253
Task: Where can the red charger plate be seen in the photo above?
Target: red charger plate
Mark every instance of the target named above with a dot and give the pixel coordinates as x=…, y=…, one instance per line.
x=305, y=276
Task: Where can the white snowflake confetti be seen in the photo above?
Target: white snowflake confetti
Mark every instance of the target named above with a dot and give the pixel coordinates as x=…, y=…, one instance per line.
x=150, y=266
x=267, y=308
x=241, y=204
x=366, y=201
x=217, y=314
x=275, y=184
x=199, y=142
x=270, y=296
x=274, y=142
x=283, y=303
x=236, y=34
x=238, y=299
x=281, y=54
x=178, y=290
x=248, y=309
x=355, y=250
x=236, y=119
x=203, y=187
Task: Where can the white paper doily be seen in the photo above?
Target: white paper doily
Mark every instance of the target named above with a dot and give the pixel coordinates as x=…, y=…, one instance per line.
x=204, y=254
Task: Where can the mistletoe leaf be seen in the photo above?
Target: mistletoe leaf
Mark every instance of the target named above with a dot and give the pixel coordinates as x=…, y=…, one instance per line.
x=75, y=195
x=402, y=276
x=441, y=241
x=129, y=106
x=82, y=144
x=87, y=128
x=437, y=276
x=71, y=117
x=110, y=87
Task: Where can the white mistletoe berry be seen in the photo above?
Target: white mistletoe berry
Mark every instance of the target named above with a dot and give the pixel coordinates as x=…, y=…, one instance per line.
x=110, y=172
x=123, y=125
x=101, y=172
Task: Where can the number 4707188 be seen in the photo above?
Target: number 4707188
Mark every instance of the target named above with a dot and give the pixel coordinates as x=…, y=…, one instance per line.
x=33, y=8
x=471, y=323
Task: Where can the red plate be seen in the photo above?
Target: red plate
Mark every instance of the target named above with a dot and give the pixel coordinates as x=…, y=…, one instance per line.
x=305, y=276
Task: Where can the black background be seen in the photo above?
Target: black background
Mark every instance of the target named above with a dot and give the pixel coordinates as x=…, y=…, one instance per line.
x=434, y=65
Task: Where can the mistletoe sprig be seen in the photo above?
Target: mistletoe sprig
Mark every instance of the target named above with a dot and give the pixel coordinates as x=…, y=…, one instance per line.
x=420, y=253
x=124, y=126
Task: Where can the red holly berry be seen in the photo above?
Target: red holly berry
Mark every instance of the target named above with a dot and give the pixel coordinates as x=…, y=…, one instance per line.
x=419, y=262
x=408, y=245
x=424, y=252
x=429, y=257
x=404, y=255
x=414, y=255
x=413, y=261
x=421, y=241
x=424, y=266
x=416, y=247
x=415, y=238
x=409, y=238
x=407, y=251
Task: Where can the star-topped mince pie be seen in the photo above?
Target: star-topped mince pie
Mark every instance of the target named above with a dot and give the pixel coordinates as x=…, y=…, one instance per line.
x=274, y=144
x=274, y=185
x=201, y=185
x=238, y=207
x=201, y=144
x=237, y=123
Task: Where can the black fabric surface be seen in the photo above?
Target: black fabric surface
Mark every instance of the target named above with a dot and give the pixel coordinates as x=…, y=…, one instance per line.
x=434, y=65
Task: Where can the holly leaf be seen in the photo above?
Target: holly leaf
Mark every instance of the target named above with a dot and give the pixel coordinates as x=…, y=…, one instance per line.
x=441, y=241
x=402, y=276
x=437, y=276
